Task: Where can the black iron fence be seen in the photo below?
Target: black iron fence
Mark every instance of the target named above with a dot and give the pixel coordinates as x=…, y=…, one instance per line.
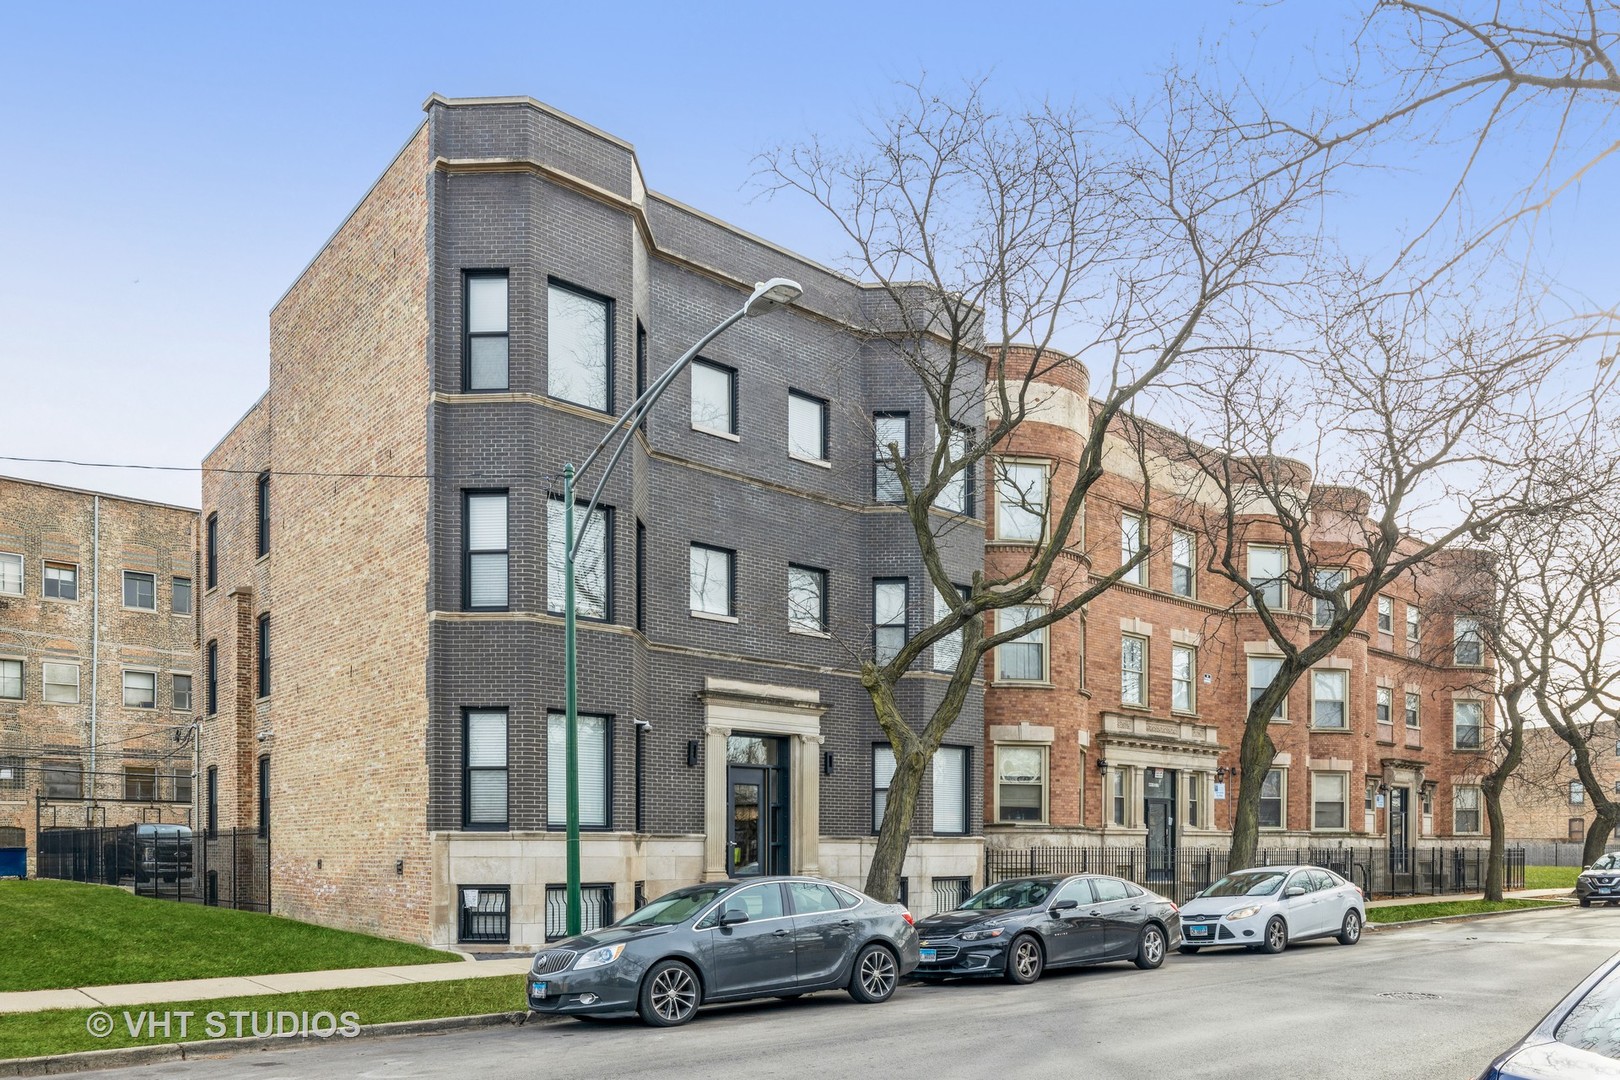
x=169, y=862
x=1180, y=873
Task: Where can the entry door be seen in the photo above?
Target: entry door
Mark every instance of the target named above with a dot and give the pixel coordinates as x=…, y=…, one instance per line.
x=749, y=806
x=1399, y=827
x=1159, y=814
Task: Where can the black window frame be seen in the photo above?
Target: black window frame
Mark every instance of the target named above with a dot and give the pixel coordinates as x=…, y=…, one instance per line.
x=264, y=796
x=731, y=578
x=732, y=388
x=128, y=575
x=880, y=454
x=641, y=365
x=608, y=770
x=905, y=614
x=262, y=532
x=467, y=495
x=609, y=555
x=45, y=581
x=142, y=780
x=872, y=759
x=211, y=677
x=174, y=697
x=825, y=407
x=211, y=553
x=467, y=333
x=261, y=654
x=641, y=575
x=970, y=489
x=612, y=344
x=467, y=770
x=211, y=822
x=493, y=927
x=967, y=790
x=176, y=590
x=593, y=894
x=821, y=615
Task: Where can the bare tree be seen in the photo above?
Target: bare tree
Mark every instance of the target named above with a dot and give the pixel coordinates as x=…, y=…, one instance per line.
x=1139, y=245
x=1405, y=423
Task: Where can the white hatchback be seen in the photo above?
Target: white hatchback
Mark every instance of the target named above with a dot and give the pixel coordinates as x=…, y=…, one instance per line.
x=1266, y=907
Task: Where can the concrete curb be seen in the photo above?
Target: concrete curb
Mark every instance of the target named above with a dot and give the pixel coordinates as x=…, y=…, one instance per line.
x=84, y=1060
x=1370, y=925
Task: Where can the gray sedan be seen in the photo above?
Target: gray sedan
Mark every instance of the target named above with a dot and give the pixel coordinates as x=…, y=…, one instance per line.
x=728, y=941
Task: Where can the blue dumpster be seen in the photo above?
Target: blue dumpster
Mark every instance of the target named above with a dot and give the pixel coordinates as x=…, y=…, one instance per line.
x=13, y=862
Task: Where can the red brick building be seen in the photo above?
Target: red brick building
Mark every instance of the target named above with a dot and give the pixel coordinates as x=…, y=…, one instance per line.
x=1122, y=725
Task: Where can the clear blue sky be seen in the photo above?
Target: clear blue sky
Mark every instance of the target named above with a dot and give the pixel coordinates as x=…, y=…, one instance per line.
x=172, y=168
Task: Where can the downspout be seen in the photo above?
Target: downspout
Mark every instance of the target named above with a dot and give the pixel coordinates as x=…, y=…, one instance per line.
x=95, y=636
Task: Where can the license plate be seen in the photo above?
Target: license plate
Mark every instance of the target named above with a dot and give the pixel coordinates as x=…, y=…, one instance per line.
x=538, y=989
x=1196, y=931
x=927, y=956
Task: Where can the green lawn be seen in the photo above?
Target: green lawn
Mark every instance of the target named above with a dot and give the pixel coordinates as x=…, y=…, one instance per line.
x=64, y=1031
x=1397, y=913
x=1550, y=877
x=62, y=934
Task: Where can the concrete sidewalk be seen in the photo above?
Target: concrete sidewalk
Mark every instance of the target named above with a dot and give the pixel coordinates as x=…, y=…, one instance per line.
x=92, y=997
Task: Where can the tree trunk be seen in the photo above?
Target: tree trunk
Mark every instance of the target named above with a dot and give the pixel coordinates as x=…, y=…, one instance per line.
x=1255, y=760
x=1495, y=866
x=1597, y=837
x=894, y=835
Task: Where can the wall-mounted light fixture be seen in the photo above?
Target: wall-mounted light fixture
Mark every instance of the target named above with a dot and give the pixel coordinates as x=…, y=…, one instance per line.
x=826, y=763
x=1102, y=764
x=691, y=753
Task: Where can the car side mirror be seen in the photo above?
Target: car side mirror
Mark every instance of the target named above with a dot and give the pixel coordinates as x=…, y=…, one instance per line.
x=733, y=916
x=1292, y=891
x=1065, y=905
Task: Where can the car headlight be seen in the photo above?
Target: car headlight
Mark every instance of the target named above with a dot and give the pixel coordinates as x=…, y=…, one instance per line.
x=1243, y=913
x=980, y=935
x=598, y=957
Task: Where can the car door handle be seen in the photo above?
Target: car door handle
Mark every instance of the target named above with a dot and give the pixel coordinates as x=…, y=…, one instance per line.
x=1136, y=907
x=846, y=922
x=1096, y=913
x=780, y=933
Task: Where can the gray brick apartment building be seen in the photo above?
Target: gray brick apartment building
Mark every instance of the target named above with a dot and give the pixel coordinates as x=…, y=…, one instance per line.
x=381, y=639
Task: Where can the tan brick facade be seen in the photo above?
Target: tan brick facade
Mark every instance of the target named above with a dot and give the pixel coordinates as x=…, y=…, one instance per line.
x=92, y=717
x=1544, y=799
x=1119, y=764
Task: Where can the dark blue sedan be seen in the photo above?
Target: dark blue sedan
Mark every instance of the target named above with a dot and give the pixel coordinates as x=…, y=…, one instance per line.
x=728, y=941
x=1578, y=1040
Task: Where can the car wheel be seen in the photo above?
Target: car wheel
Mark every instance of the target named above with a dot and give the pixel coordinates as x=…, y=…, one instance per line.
x=1276, y=935
x=1585, y=902
x=875, y=975
x=1188, y=950
x=669, y=994
x=1025, y=959
x=1350, y=932
x=1150, y=948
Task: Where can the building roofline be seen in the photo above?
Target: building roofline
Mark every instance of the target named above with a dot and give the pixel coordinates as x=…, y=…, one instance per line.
x=260, y=400
x=436, y=98
x=102, y=494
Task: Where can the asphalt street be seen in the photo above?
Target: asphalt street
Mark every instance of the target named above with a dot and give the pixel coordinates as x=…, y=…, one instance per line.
x=1437, y=1001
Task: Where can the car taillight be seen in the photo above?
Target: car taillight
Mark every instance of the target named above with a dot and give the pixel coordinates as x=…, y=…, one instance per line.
x=906, y=915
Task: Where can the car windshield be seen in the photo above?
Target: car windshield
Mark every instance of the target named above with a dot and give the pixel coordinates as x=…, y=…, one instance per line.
x=675, y=907
x=1594, y=1024
x=1606, y=862
x=1010, y=895
x=1248, y=883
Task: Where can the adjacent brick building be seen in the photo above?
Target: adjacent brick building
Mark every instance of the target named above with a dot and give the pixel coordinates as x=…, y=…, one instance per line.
x=1125, y=730
x=1545, y=799
x=96, y=660
x=380, y=627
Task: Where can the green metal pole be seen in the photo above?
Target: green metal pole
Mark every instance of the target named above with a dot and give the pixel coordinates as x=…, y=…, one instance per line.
x=570, y=675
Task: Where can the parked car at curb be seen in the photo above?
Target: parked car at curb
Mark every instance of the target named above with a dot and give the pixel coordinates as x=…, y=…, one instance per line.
x=1600, y=881
x=1017, y=929
x=728, y=941
x=1267, y=907
x=1578, y=1040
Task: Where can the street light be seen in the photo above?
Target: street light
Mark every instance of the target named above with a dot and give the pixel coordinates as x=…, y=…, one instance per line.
x=767, y=296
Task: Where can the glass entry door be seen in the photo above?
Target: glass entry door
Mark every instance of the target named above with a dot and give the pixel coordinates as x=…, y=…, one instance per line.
x=757, y=807
x=1159, y=815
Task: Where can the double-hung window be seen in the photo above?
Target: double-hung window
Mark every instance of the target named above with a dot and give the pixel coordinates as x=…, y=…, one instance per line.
x=1328, y=581
x=711, y=585
x=593, y=563
x=140, y=689
x=1385, y=714
x=1020, y=783
x=1021, y=659
x=1414, y=706
x=1330, y=699
x=951, y=790
x=1272, y=800
x=1468, y=646
x=882, y=778
x=211, y=552
x=140, y=590
x=211, y=677
x=956, y=496
x=579, y=336
x=264, y=655
x=180, y=693
x=594, y=765
x=11, y=679
x=1263, y=671
x=714, y=398
x=1133, y=656
x=1386, y=615
x=807, y=426
x=1183, y=563
x=262, y=533
x=484, y=775
x=1577, y=793
x=1020, y=500
x=807, y=599
x=485, y=363
x=180, y=596
x=1413, y=627
x=888, y=618
x=1329, y=801
x=1183, y=681
x=1268, y=574
x=889, y=439
x=1465, y=803
x=1132, y=542
x=61, y=581
x=11, y=574
x=1468, y=725
x=948, y=649
x=61, y=683
x=485, y=553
